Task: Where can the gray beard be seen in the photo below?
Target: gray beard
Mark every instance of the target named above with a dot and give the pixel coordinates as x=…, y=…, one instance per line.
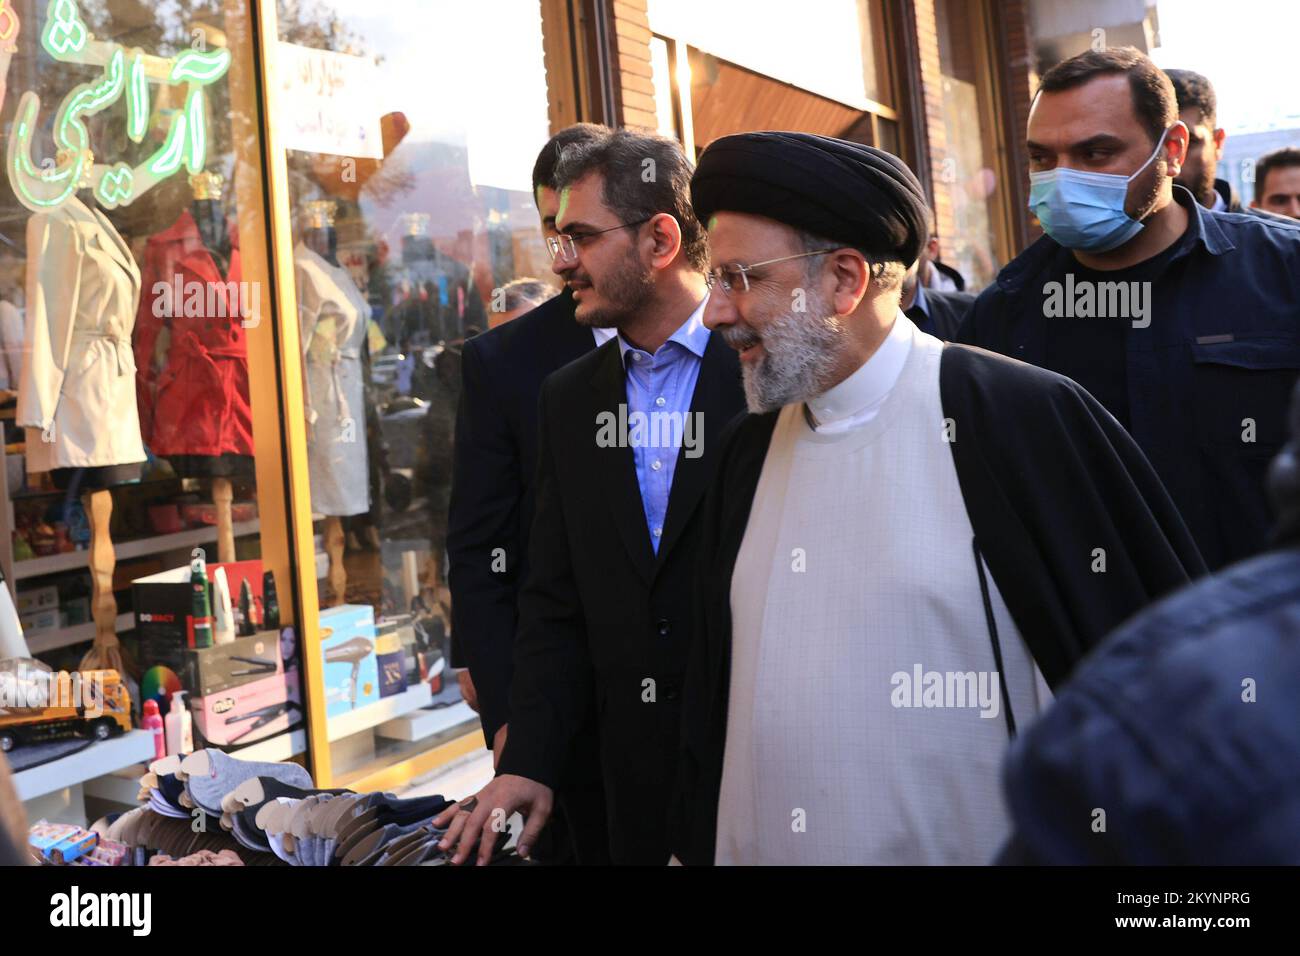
x=801, y=356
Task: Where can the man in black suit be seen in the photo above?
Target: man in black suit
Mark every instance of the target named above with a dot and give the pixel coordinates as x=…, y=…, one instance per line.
x=491, y=509
x=627, y=444
x=934, y=311
x=937, y=313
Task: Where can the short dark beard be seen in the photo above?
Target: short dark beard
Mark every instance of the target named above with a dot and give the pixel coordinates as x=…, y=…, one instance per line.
x=1149, y=190
x=626, y=291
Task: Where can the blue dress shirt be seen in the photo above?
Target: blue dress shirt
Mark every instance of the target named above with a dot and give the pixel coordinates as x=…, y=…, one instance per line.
x=661, y=387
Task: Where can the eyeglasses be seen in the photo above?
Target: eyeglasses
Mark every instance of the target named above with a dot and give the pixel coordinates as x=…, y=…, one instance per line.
x=564, y=246
x=734, y=277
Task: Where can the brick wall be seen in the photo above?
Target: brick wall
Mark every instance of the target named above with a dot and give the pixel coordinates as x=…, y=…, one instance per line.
x=1021, y=79
x=634, y=93
x=927, y=46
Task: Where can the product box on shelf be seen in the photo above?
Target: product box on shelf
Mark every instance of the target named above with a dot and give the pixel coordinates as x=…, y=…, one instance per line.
x=47, y=620
x=61, y=842
x=33, y=600
x=248, y=712
x=162, y=604
x=239, y=692
x=224, y=666
x=75, y=611
x=390, y=658
x=348, y=642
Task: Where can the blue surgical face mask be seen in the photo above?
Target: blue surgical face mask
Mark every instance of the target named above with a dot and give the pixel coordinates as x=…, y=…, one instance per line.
x=1082, y=210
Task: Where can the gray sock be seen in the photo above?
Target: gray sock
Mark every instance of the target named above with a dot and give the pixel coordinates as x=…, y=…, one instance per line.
x=225, y=773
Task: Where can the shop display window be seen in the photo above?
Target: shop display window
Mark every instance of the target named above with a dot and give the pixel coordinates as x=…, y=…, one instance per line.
x=138, y=393
x=408, y=159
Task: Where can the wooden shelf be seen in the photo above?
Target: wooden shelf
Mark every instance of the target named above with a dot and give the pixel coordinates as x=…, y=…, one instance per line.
x=75, y=560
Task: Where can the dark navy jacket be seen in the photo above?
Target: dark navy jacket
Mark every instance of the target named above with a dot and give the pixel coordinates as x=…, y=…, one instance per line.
x=1222, y=351
x=1182, y=729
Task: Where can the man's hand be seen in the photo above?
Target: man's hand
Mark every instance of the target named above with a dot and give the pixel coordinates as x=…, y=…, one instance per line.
x=485, y=814
x=498, y=745
x=467, y=690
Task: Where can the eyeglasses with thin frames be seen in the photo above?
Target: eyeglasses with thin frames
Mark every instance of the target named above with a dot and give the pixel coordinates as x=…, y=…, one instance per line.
x=564, y=246
x=729, y=275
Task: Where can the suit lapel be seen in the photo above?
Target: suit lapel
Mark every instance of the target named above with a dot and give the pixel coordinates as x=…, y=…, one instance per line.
x=616, y=468
x=716, y=401
x=570, y=340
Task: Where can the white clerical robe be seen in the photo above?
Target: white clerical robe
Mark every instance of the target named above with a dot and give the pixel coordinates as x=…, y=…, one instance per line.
x=856, y=727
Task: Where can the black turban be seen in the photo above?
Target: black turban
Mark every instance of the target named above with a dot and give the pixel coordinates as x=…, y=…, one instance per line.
x=854, y=194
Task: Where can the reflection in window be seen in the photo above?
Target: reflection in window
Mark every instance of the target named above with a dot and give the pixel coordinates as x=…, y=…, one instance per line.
x=413, y=219
x=127, y=307
x=970, y=242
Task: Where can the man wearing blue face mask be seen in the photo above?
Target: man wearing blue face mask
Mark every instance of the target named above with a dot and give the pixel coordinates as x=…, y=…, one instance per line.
x=1183, y=322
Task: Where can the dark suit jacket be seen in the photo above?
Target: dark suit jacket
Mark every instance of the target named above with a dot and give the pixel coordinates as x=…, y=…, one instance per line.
x=492, y=487
x=602, y=617
x=947, y=309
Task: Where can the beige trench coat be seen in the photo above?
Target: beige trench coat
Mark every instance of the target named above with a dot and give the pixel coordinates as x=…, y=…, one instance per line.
x=76, y=392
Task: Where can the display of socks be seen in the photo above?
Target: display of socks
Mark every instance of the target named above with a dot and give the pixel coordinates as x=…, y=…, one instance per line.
x=213, y=809
x=225, y=773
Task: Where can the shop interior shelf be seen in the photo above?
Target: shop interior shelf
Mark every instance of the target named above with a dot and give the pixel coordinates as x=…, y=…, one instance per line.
x=96, y=760
x=422, y=724
x=381, y=711
x=30, y=495
x=273, y=749
x=38, y=642
x=73, y=560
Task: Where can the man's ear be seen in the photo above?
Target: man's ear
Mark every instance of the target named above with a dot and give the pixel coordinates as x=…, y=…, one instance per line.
x=1219, y=136
x=1176, y=147
x=666, y=240
x=852, y=275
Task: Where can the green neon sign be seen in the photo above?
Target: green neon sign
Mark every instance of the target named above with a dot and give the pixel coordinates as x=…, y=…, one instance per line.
x=200, y=67
x=137, y=101
x=198, y=130
x=37, y=189
x=123, y=72
x=65, y=33
x=168, y=159
x=88, y=99
x=116, y=186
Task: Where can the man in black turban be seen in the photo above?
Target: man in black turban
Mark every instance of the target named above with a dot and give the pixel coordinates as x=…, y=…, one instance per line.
x=906, y=546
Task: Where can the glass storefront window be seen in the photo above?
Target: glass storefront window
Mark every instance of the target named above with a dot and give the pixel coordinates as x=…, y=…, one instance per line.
x=138, y=395
x=756, y=65
x=834, y=48
x=972, y=235
x=409, y=156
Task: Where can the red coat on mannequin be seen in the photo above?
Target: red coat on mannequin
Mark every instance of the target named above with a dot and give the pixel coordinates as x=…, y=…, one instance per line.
x=199, y=401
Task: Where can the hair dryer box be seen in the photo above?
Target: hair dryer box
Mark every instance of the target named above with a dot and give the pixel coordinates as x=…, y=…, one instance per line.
x=348, y=641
